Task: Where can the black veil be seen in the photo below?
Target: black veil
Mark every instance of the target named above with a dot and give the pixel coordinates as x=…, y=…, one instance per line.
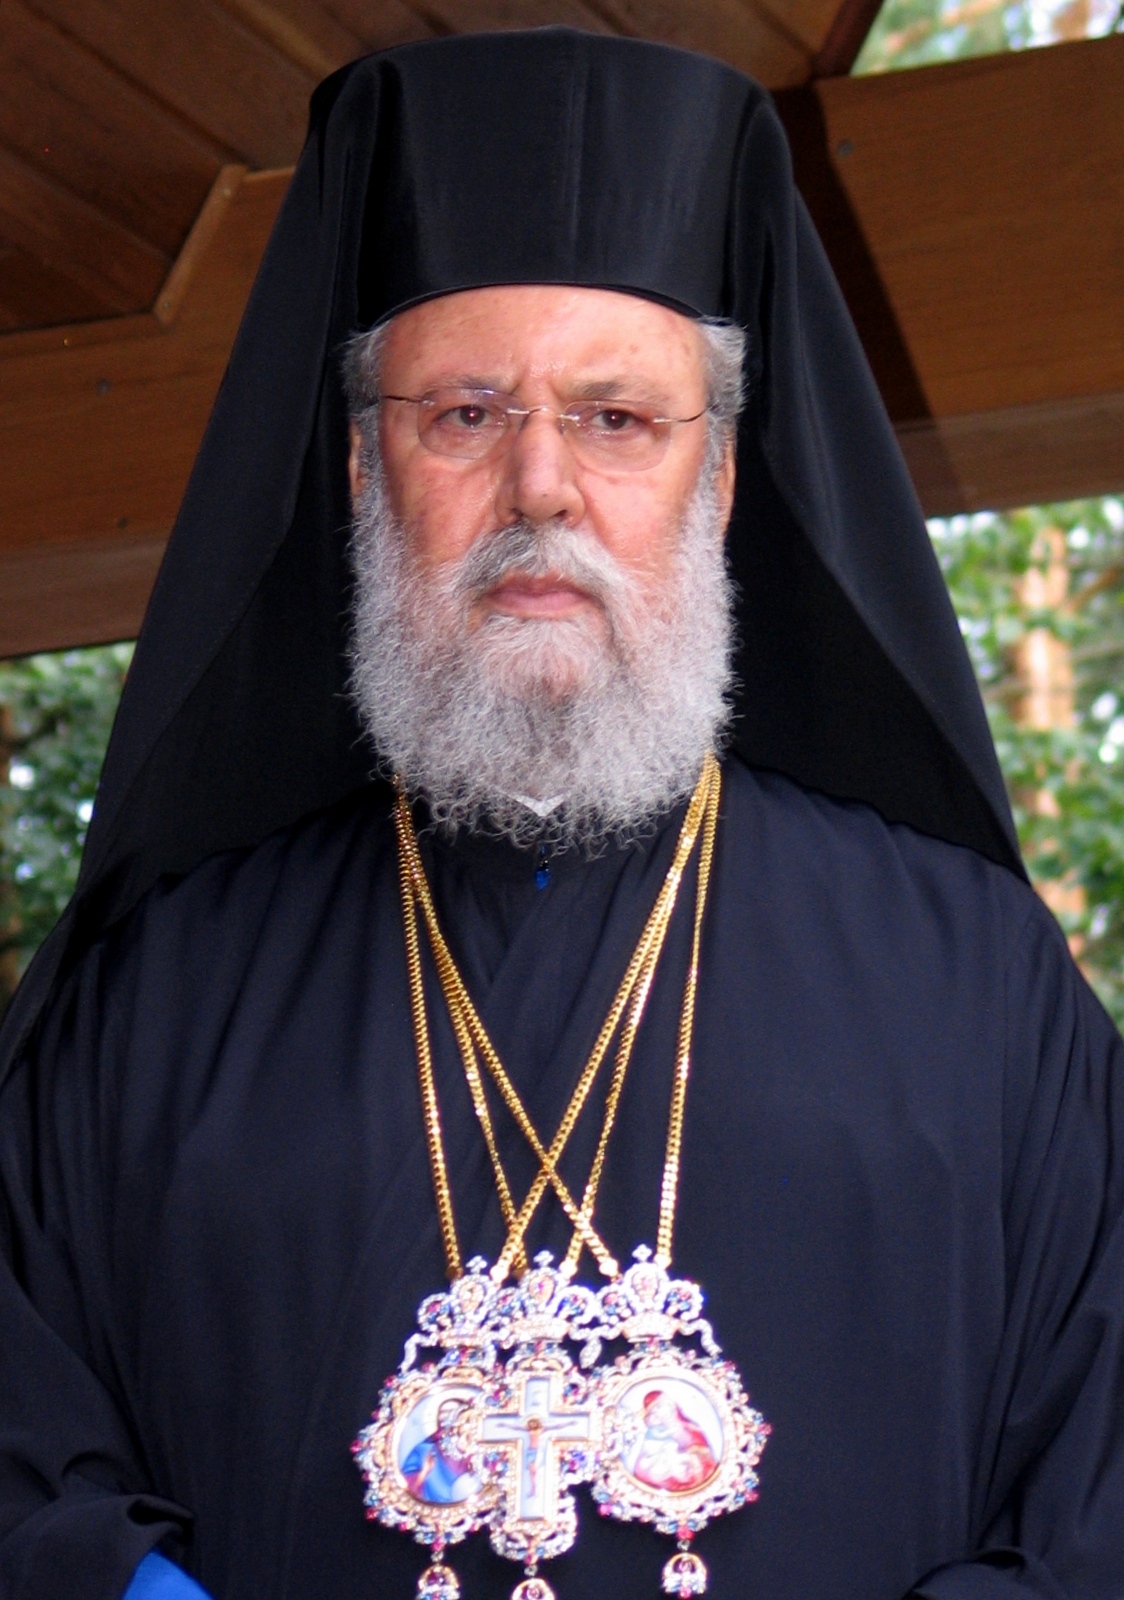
x=545, y=156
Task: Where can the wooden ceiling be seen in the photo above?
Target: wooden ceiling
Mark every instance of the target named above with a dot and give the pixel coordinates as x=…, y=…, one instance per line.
x=116, y=115
x=974, y=214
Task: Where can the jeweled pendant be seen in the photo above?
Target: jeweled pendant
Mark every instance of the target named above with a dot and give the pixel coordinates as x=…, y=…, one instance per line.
x=678, y=1440
x=684, y=1575
x=535, y=1588
x=495, y=1432
x=439, y=1583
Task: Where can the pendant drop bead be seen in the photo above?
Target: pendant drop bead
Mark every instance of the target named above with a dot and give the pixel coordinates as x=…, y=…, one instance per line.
x=439, y=1583
x=532, y=1589
x=684, y=1575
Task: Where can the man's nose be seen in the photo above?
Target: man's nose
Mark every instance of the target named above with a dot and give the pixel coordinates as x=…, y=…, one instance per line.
x=539, y=473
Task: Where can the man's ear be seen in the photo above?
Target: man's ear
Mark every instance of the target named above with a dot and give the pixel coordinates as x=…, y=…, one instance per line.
x=355, y=473
x=726, y=480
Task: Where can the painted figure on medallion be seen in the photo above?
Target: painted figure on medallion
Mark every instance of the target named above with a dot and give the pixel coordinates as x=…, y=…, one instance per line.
x=676, y=1436
x=436, y=1466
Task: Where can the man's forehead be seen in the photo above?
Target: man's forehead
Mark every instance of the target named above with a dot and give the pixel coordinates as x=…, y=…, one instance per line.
x=600, y=338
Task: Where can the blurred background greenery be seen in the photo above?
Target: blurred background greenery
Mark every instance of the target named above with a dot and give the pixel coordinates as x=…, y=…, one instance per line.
x=1039, y=594
x=55, y=715
x=1040, y=597
x=914, y=33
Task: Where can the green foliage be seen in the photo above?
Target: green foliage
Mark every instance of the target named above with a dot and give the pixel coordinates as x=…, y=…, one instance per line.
x=57, y=710
x=1080, y=767
x=913, y=33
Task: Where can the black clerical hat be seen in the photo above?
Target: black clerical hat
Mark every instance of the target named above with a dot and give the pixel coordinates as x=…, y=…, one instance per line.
x=545, y=156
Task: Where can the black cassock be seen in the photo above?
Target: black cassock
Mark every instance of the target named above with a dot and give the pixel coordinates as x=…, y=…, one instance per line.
x=901, y=1191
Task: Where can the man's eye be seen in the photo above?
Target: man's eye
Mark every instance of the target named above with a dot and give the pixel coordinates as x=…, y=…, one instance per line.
x=469, y=417
x=614, y=419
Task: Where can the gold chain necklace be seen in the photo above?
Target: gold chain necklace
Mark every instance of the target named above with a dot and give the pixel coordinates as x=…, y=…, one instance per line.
x=484, y=1438
x=472, y=1037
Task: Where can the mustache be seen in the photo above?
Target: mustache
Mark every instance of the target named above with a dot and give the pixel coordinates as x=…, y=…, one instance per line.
x=539, y=550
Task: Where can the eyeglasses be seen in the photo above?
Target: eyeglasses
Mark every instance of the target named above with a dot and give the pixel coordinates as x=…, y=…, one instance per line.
x=477, y=424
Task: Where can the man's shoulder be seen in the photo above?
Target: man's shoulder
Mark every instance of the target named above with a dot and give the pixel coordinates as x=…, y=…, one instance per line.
x=807, y=842
x=237, y=889
x=839, y=890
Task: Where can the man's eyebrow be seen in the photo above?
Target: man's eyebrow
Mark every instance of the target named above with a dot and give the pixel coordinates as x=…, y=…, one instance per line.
x=609, y=388
x=616, y=389
x=471, y=380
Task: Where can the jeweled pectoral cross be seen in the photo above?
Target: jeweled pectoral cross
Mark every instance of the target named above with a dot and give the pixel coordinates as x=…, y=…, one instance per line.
x=536, y=1430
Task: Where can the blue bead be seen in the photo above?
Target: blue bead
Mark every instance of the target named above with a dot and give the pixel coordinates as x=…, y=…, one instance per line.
x=542, y=877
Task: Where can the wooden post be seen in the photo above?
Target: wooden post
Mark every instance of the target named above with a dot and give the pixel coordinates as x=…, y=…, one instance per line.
x=1046, y=696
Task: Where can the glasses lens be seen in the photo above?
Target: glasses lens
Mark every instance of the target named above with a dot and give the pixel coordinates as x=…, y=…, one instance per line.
x=617, y=435
x=476, y=423
x=463, y=422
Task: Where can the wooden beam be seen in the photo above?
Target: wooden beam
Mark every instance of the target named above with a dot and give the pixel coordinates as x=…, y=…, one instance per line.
x=31, y=293
x=489, y=16
x=380, y=26
x=1017, y=455
x=808, y=22
x=86, y=127
x=302, y=31
x=973, y=214
x=65, y=232
x=992, y=309
x=214, y=72
x=761, y=37
x=99, y=425
x=76, y=592
x=115, y=115
x=844, y=37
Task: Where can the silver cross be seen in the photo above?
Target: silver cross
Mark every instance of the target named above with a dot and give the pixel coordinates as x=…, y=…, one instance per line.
x=535, y=1433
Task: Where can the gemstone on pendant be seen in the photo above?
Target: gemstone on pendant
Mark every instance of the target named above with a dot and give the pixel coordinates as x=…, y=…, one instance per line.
x=532, y=1589
x=439, y=1583
x=684, y=1575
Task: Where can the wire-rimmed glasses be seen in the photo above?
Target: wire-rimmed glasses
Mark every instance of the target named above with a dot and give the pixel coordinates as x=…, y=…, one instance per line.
x=477, y=424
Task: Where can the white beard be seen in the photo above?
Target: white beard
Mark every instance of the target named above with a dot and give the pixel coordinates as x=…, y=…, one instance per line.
x=611, y=713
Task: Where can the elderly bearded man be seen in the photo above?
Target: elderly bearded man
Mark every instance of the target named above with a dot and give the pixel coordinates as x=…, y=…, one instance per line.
x=560, y=1010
